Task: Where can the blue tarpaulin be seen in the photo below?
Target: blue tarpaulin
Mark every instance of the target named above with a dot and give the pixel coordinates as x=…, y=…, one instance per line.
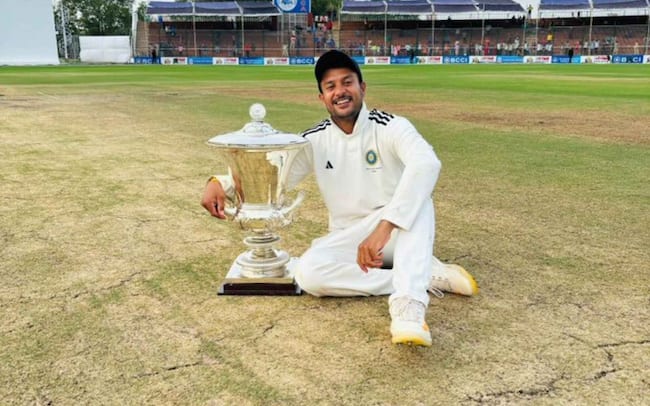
x=166, y=8
x=499, y=5
x=258, y=8
x=364, y=7
x=454, y=6
x=226, y=8
x=610, y=4
x=564, y=5
x=408, y=7
x=221, y=8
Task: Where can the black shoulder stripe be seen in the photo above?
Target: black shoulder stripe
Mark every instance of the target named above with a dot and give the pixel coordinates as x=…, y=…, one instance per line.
x=378, y=121
x=382, y=114
x=380, y=117
x=318, y=127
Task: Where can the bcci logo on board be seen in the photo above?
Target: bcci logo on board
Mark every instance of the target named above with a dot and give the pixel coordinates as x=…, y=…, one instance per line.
x=286, y=5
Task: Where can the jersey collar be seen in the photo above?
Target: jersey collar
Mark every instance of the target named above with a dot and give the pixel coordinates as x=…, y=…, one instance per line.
x=361, y=122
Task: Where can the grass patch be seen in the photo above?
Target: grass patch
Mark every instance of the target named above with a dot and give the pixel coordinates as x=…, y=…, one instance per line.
x=110, y=266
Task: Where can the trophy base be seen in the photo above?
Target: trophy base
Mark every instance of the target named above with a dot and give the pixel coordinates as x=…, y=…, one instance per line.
x=236, y=284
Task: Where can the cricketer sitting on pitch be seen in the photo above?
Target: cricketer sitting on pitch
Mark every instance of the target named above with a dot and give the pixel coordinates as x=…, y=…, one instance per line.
x=376, y=174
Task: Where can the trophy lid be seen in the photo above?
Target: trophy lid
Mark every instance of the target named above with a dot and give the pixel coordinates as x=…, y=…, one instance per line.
x=256, y=134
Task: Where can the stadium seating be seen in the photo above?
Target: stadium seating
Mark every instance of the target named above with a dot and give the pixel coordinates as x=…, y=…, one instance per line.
x=363, y=36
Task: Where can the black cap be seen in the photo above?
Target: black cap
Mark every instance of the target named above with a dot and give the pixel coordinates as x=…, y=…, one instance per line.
x=335, y=59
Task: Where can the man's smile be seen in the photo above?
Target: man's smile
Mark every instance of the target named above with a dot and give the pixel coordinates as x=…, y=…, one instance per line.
x=342, y=101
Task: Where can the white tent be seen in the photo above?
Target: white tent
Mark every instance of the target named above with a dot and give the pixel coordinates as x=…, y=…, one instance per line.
x=27, y=35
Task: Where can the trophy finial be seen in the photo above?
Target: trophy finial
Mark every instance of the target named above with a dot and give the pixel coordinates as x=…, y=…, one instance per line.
x=257, y=112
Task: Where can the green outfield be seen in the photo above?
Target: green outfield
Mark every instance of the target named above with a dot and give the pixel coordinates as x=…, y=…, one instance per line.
x=109, y=266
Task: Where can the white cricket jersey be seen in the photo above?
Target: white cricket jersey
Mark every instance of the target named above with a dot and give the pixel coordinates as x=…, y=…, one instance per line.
x=384, y=163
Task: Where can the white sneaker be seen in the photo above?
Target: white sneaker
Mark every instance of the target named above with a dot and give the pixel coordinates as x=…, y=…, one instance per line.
x=408, y=325
x=451, y=278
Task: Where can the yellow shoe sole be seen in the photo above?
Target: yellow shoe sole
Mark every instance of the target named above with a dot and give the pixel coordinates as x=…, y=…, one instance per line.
x=467, y=275
x=411, y=340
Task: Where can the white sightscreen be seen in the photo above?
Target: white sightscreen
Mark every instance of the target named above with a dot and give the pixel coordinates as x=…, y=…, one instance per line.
x=27, y=34
x=106, y=49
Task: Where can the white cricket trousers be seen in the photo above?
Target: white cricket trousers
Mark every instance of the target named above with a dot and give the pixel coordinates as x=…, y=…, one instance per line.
x=329, y=267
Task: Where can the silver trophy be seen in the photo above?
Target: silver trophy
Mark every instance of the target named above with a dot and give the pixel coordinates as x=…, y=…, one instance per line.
x=259, y=159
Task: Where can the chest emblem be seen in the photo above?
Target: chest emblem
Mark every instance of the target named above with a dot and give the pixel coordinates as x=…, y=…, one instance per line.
x=371, y=157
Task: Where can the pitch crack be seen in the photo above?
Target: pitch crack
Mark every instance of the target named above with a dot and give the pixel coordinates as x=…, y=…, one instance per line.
x=167, y=369
x=119, y=284
x=526, y=393
x=618, y=344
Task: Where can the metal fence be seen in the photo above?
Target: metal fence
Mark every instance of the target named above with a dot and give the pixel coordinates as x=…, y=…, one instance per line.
x=68, y=46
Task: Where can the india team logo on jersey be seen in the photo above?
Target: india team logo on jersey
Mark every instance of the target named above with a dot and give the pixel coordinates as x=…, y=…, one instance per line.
x=371, y=157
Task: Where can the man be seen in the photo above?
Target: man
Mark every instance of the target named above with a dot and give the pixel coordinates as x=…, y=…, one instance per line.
x=376, y=174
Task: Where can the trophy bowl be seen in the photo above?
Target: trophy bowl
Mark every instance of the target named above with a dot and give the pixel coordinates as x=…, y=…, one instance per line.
x=259, y=160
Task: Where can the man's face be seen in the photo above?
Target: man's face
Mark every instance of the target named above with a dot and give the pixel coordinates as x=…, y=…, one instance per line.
x=342, y=94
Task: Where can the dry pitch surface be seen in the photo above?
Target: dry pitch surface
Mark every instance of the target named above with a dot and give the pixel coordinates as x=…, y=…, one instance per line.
x=109, y=266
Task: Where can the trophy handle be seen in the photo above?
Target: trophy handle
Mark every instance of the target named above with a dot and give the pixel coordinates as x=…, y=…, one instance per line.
x=298, y=200
x=231, y=212
x=236, y=202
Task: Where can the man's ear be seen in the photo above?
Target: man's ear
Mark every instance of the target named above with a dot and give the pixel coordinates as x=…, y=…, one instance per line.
x=320, y=97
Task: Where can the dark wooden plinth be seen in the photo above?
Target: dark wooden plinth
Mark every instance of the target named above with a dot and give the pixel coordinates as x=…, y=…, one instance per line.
x=259, y=287
x=235, y=284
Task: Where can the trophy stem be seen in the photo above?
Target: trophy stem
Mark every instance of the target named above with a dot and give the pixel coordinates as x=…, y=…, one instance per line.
x=262, y=260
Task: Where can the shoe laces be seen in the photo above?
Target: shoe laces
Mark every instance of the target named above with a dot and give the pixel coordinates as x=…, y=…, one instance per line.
x=435, y=291
x=407, y=309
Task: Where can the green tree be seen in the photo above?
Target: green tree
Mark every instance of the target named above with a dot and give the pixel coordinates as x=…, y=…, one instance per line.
x=325, y=7
x=100, y=17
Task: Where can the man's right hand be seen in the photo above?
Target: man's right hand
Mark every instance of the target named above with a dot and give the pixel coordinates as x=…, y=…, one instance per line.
x=369, y=252
x=214, y=198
